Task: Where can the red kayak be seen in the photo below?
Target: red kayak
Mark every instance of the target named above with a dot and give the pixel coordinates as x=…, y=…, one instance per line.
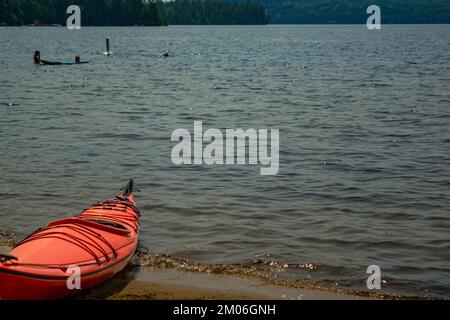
x=74, y=254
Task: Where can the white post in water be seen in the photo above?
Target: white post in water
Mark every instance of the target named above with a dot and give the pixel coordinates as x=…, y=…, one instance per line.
x=108, y=51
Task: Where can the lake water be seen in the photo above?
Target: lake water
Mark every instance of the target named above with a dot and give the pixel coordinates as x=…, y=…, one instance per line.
x=364, y=120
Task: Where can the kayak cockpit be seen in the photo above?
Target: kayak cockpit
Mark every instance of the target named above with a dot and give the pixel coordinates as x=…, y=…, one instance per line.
x=104, y=225
x=108, y=223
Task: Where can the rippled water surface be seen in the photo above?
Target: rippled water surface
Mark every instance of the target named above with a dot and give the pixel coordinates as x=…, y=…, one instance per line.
x=364, y=121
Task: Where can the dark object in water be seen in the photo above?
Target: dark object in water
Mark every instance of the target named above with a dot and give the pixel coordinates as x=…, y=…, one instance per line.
x=52, y=63
x=9, y=104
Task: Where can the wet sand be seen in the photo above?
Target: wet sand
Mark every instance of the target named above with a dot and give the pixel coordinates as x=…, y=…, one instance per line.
x=173, y=284
x=152, y=283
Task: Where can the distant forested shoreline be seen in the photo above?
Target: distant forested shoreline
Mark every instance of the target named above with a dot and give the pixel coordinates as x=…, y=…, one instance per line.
x=201, y=12
x=93, y=12
x=212, y=12
x=354, y=11
x=131, y=12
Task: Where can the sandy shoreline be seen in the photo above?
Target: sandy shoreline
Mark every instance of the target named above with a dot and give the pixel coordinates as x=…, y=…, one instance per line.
x=153, y=283
x=173, y=284
x=161, y=283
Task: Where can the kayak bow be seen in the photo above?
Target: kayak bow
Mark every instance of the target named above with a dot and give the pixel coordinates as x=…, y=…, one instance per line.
x=98, y=243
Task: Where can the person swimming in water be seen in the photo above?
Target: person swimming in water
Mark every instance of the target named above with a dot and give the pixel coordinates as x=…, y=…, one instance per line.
x=37, y=57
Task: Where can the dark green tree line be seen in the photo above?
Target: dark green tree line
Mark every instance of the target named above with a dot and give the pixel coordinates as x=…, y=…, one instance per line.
x=151, y=12
x=131, y=12
x=212, y=12
x=94, y=12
